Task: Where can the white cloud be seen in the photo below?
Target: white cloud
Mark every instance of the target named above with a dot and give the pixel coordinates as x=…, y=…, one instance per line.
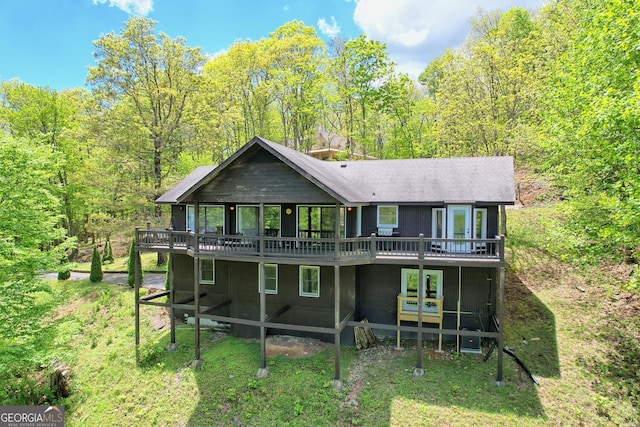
x=132, y=7
x=417, y=31
x=286, y=7
x=330, y=30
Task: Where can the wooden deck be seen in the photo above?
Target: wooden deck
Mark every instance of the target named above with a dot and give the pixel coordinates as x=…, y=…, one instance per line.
x=357, y=249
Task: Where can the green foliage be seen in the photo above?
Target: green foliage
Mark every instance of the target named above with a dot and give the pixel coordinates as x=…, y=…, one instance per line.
x=486, y=93
x=107, y=253
x=131, y=265
x=153, y=76
x=64, y=270
x=593, y=151
x=167, y=277
x=95, y=275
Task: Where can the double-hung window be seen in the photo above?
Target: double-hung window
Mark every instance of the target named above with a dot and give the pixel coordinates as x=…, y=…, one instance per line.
x=309, y=281
x=207, y=272
x=270, y=278
x=387, y=216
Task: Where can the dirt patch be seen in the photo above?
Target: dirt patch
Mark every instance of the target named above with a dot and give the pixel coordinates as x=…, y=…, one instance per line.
x=290, y=346
x=70, y=308
x=160, y=320
x=533, y=189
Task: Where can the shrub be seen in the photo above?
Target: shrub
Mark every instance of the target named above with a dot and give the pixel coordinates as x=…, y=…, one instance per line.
x=64, y=274
x=95, y=275
x=166, y=278
x=64, y=271
x=107, y=253
x=131, y=265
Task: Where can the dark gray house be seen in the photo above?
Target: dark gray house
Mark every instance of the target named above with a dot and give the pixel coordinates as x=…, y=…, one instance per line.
x=273, y=241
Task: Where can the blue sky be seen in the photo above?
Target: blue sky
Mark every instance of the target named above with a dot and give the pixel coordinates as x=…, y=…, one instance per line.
x=50, y=42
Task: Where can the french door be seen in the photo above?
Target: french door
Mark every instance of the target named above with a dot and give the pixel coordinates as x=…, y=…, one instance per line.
x=432, y=288
x=459, y=227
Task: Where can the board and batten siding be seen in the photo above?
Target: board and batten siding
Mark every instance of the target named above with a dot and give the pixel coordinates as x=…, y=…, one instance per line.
x=378, y=286
x=259, y=177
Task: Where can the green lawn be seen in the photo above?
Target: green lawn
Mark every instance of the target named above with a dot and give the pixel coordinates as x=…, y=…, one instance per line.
x=568, y=325
x=149, y=263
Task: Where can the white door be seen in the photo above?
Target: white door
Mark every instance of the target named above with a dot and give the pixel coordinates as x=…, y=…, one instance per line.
x=459, y=227
x=432, y=282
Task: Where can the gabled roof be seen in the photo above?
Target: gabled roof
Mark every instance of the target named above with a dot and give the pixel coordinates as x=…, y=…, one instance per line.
x=440, y=180
x=174, y=194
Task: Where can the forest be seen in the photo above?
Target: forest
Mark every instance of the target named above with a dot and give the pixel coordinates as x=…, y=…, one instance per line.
x=557, y=88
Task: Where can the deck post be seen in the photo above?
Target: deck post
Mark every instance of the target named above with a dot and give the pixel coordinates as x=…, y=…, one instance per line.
x=136, y=292
x=337, y=382
x=196, y=306
x=418, y=371
x=372, y=247
x=263, y=371
x=261, y=233
x=501, y=271
x=172, y=318
x=421, y=246
x=459, y=306
x=336, y=233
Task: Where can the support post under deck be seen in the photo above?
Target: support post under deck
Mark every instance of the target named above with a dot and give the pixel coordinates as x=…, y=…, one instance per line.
x=136, y=292
x=196, y=309
x=418, y=371
x=263, y=371
x=337, y=382
x=501, y=272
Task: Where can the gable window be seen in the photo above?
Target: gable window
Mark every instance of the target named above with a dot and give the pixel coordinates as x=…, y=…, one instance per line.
x=309, y=281
x=207, y=272
x=387, y=216
x=270, y=279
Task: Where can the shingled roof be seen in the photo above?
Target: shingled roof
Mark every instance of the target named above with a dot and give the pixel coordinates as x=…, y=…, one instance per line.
x=440, y=180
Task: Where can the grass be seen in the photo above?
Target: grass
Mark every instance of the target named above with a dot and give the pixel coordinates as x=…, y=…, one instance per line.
x=573, y=327
x=148, y=260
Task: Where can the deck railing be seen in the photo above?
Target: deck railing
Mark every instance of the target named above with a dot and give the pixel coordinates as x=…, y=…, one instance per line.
x=331, y=248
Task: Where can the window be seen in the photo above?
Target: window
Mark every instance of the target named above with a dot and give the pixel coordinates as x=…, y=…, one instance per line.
x=210, y=219
x=319, y=222
x=438, y=225
x=207, y=272
x=191, y=218
x=309, y=281
x=247, y=223
x=480, y=223
x=432, y=282
x=480, y=229
x=270, y=278
x=272, y=220
x=387, y=216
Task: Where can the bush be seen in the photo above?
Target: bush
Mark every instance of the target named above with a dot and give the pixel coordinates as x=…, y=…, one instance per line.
x=131, y=265
x=64, y=274
x=64, y=271
x=167, y=285
x=107, y=253
x=95, y=275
